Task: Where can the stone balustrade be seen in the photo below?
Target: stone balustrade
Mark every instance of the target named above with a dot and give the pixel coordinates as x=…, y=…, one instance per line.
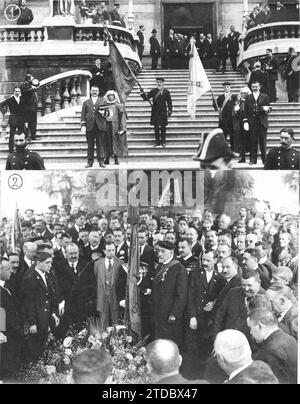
x=63, y=91
x=78, y=33
x=273, y=31
x=22, y=33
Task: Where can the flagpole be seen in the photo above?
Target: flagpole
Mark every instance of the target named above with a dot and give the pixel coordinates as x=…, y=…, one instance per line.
x=215, y=100
x=110, y=38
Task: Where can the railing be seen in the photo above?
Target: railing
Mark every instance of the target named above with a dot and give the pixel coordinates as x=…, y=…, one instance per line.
x=62, y=91
x=281, y=30
x=22, y=33
x=94, y=32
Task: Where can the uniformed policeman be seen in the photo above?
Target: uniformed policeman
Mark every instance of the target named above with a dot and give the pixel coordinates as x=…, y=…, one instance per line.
x=270, y=66
x=22, y=158
x=215, y=153
x=284, y=157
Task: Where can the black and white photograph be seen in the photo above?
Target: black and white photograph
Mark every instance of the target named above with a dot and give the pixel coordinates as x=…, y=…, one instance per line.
x=149, y=193
x=121, y=277
x=142, y=84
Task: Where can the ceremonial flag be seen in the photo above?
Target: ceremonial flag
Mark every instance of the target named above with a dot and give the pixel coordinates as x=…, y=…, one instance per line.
x=124, y=78
x=198, y=81
x=133, y=313
x=16, y=233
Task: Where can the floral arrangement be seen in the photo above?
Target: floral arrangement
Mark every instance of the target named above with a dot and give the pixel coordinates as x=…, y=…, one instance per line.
x=129, y=365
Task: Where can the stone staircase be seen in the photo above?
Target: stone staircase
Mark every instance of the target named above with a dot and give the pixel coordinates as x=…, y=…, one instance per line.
x=61, y=144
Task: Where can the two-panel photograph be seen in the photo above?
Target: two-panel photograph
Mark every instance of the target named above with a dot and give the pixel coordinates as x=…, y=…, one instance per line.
x=149, y=194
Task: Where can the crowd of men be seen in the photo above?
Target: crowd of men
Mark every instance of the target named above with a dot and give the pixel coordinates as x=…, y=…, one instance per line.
x=92, y=13
x=199, y=275
x=267, y=14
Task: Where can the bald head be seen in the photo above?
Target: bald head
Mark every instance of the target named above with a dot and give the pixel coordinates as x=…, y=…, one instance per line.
x=163, y=358
x=233, y=350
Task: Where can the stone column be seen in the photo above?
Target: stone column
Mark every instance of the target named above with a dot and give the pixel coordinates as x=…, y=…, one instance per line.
x=131, y=17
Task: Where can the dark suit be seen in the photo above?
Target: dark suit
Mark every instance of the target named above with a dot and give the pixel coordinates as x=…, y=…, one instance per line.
x=257, y=372
x=289, y=322
x=74, y=233
x=38, y=304
x=226, y=115
x=30, y=98
x=233, y=47
x=191, y=264
x=233, y=283
x=161, y=108
x=261, y=77
x=141, y=44
x=155, y=51
x=199, y=342
x=179, y=379
x=169, y=298
x=270, y=66
x=232, y=313
x=10, y=352
x=96, y=129
x=109, y=294
x=16, y=118
x=222, y=52
x=171, y=52
x=26, y=17
x=147, y=259
x=197, y=250
x=78, y=290
x=122, y=252
x=280, y=352
x=258, y=123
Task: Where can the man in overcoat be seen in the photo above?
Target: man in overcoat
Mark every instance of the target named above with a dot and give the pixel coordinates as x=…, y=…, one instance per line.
x=170, y=287
x=162, y=109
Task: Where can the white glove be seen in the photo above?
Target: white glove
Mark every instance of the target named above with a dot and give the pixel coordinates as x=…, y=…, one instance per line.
x=61, y=308
x=266, y=108
x=83, y=130
x=237, y=108
x=193, y=323
x=122, y=303
x=246, y=126
x=3, y=338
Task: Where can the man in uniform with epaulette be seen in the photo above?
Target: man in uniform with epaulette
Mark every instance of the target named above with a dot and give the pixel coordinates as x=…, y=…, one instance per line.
x=22, y=158
x=284, y=157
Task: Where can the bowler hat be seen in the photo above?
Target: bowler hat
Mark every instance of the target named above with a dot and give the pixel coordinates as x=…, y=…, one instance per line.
x=154, y=31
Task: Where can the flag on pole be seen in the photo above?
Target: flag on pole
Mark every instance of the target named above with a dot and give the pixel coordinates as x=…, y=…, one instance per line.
x=124, y=78
x=198, y=81
x=133, y=312
x=16, y=233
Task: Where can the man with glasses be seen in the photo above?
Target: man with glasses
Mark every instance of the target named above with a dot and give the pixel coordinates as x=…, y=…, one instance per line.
x=284, y=157
x=22, y=158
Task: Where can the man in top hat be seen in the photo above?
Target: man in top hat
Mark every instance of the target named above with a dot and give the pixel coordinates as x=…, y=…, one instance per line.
x=291, y=76
x=215, y=153
x=155, y=51
x=224, y=105
x=284, y=157
x=161, y=110
x=170, y=287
